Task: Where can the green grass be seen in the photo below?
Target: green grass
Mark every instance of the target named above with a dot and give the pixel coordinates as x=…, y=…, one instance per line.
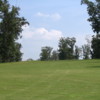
x=52, y=80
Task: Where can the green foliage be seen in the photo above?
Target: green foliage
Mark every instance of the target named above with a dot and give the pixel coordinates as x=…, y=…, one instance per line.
x=93, y=9
x=54, y=55
x=10, y=30
x=50, y=80
x=45, y=53
x=96, y=47
x=30, y=59
x=77, y=52
x=86, y=51
x=66, y=48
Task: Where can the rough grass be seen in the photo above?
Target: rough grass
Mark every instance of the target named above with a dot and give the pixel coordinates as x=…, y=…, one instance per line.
x=54, y=80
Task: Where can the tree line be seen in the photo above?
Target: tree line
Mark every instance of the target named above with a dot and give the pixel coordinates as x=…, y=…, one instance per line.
x=11, y=28
x=67, y=49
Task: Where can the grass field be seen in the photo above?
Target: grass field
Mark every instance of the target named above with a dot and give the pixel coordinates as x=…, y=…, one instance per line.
x=52, y=80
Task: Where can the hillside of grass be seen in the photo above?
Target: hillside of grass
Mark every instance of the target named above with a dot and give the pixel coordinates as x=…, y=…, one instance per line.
x=52, y=80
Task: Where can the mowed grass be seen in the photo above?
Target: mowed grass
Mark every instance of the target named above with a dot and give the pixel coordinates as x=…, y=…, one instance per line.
x=52, y=80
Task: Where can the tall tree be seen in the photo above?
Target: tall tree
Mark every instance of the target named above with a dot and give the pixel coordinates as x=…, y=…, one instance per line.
x=93, y=9
x=54, y=55
x=45, y=53
x=77, y=52
x=86, y=51
x=95, y=47
x=66, y=48
x=10, y=31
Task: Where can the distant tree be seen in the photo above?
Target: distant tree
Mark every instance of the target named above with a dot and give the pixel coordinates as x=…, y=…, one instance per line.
x=66, y=48
x=45, y=53
x=10, y=31
x=86, y=51
x=30, y=59
x=93, y=9
x=54, y=55
x=77, y=52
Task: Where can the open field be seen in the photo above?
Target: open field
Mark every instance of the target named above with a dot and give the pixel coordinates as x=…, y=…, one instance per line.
x=52, y=80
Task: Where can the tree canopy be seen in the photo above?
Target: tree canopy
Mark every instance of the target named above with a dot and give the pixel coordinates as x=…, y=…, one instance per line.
x=45, y=53
x=10, y=31
x=93, y=9
x=66, y=48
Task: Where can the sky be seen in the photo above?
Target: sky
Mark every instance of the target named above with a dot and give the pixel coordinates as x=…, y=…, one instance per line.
x=49, y=21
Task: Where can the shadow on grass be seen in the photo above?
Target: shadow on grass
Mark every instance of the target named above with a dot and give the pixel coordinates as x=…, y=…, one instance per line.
x=93, y=66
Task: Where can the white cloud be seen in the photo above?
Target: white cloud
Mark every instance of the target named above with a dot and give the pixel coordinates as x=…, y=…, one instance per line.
x=52, y=34
x=54, y=16
x=42, y=15
x=42, y=33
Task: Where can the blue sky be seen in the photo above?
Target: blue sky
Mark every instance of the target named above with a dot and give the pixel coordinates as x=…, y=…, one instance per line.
x=49, y=20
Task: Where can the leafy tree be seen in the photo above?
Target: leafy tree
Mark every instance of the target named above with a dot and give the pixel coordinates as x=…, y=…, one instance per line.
x=86, y=51
x=77, y=52
x=45, y=53
x=93, y=9
x=95, y=47
x=17, y=53
x=94, y=13
x=30, y=59
x=10, y=31
x=54, y=55
x=66, y=48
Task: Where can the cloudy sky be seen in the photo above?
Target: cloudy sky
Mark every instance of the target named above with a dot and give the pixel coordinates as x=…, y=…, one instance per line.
x=49, y=20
